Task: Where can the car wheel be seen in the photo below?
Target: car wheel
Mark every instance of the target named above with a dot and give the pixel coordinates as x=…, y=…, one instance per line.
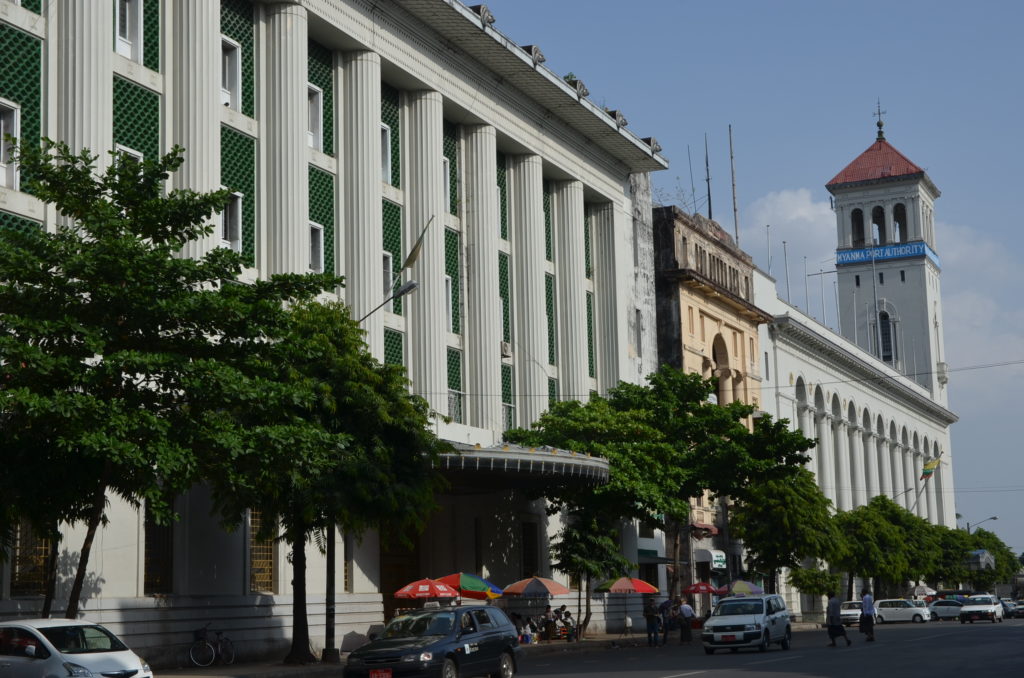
x=935, y=617
x=879, y=619
x=506, y=667
x=450, y=670
x=918, y=619
x=787, y=639
x=709, y=650
x=763, y=647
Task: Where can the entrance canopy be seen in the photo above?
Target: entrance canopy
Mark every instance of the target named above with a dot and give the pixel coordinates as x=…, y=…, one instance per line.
x=506, y=466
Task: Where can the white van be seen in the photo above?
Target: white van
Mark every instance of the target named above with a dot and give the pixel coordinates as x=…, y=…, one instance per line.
x=65, y=647
x=748, y=621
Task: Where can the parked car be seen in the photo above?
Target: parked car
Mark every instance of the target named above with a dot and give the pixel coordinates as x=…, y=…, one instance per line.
x=981, y=608
x=850, y=611
x=470, y=640
x=748, y=621
x=1009, y=608
x=65, y=647
x=1019, y=611
x=899, y=610
x=945, y=609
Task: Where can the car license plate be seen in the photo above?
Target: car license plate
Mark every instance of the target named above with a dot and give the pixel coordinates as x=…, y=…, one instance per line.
x=380, y=673
x=730, y=637
x=975, y=616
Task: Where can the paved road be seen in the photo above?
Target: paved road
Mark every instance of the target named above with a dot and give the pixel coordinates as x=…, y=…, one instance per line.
x=937, y=649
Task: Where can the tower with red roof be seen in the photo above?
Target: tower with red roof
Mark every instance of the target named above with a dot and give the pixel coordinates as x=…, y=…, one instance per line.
x=889, y=273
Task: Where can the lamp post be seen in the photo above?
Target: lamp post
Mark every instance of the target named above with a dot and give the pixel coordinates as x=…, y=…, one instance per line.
x=980, y=522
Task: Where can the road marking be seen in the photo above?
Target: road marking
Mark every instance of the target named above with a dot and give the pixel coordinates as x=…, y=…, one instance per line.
x=937, y=635
x=680, y=675
x=772, y=661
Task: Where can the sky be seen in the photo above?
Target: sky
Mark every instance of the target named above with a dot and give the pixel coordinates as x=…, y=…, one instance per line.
x=800, y=82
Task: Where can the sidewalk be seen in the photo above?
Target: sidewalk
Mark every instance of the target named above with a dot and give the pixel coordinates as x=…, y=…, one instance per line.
x=593, y=643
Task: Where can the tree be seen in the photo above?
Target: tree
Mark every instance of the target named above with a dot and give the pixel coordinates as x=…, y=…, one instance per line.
x=109, y=340
x=784, y=522
x=950, y=568
x=368, y=441
x=813, y=581
x=873, y=547
x=1005, y=562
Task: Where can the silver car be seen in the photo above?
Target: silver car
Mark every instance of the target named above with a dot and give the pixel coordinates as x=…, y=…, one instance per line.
x=899, y=610
x=945, y=609
x=65, y=647
x=748, y=621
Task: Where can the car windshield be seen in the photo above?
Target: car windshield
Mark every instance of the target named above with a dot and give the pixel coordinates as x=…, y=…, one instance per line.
x=852, y=605
x=979, y=600
x=734, y=607
x=417, y=625
x=82, y=639
x=919, y=603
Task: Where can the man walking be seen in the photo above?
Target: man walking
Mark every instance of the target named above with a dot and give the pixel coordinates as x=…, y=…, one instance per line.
x=867, y=614
x=834, y=621
x=665, y=612
x=686, y=617
x=652, y=617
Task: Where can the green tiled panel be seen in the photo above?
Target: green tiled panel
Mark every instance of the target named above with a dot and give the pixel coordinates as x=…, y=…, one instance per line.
x=591, y=370
x=394, y=347
x=504, y=291
x=238, y=173
x=548, y=249
x=452, y=268
x=16, y=223
x=33, y=5
x=451, y=151
x=588, y=263
x=137, y=118
x=21, y=81
x=389, y=116
x=552, y=391
x=236, y=22
x=502, y=181
x=151, y=35
x=321, y=210
x=392, y=214
x=454, y=369
x=507, y=387
x=549, y=304
x=321, y=74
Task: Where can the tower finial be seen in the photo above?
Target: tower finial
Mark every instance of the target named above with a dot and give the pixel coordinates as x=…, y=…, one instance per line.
x=878, y=113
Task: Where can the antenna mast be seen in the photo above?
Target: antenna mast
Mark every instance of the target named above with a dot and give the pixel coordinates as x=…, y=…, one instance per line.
x=707, y=173
x=735, y=211
x=693, y=189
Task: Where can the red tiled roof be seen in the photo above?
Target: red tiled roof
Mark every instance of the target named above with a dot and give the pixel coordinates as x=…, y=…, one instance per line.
x=880, y=161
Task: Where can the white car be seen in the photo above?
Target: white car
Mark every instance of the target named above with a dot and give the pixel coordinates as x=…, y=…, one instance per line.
x=945, y=609
x=30, y=648
x=900, y=610
x=849, y=612
x=748, y=621
x=981, y=608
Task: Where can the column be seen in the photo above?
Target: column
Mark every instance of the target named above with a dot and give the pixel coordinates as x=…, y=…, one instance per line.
x=606, y=314
x=884, y=465
x=567, y=223
x=858, y=472
x=805, y=424
x=920, y=501
x=287, y=145
x=526, y=186
x=930, y=493
x=483, y=303
x=725, y=391
x=426, y=309
x=362, y=225
x=908, y=476
x=842, y=476
x=870, y=455
x=85, y=86
x=195, y=104
x=899, y=483
x=826, y=478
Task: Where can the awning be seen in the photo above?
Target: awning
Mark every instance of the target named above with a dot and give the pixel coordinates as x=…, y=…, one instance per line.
x=713, y=556
x=651, y=557
x=707, y=527
x=475, y=468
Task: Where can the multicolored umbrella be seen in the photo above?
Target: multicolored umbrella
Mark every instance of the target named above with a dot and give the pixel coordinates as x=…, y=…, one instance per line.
x=536, y=587
x=700, y=587
x=471, y=586
x=426, y=588
x=626, y=585
x=743, y=587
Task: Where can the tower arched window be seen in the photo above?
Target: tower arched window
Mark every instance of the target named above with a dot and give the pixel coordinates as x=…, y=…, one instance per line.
x=857, y=227
x=899, y=223
x=878, y=225
x=885, y=328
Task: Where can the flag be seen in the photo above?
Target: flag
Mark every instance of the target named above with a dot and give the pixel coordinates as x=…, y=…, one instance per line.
x=929, y=468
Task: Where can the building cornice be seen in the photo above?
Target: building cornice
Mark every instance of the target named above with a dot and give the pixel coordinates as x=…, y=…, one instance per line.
x=714, y=292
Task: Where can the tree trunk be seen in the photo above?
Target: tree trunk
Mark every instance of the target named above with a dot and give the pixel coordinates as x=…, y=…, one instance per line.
x=675, y=585
x=773, y=576
x=99, y=500
x=299, y=654
x=586, y=618
x=849, y=587
x=579, y=607
x=51, y=573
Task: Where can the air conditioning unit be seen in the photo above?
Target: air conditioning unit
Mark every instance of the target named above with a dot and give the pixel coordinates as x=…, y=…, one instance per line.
x=506, y=349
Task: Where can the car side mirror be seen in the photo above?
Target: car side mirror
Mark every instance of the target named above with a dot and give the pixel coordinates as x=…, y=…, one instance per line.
x=30, y=651
x=373, y=635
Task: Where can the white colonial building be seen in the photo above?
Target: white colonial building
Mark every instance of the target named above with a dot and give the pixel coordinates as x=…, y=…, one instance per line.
x=873, y=396
x=344, y=128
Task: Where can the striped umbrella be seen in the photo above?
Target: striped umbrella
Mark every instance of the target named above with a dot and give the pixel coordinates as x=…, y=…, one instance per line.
x=700, y=587
x=471, y=586
x=536, y=587
x=626, y=585
x=426, y=588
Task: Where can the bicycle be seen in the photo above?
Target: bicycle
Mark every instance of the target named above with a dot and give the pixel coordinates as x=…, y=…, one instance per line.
x=205, y=651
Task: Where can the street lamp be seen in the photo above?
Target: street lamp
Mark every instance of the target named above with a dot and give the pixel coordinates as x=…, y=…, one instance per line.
x=980, y=522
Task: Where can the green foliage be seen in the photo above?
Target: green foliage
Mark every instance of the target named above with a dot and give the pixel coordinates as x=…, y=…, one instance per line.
x=813, y=581
x=1006, y=564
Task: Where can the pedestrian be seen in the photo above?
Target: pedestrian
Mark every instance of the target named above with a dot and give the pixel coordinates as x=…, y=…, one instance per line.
x=550, y=630
x=834, y=621
x=867, y=614
x=686, y=617
x=653, y=618
x=665, y=613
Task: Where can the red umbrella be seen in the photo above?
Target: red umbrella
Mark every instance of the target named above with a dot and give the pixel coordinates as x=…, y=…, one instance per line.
x=700, y=587
x=535, y=586
x=627, y=585
x=426, y=588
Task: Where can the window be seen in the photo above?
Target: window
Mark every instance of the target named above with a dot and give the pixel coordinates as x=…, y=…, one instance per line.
x=903, y=276
x=881, y=278
x=638, y=329
x=449, y=302
x=385, y=153
x=530, y=533
x=856, y=280
x=646, y=530
x=128, y=151
x=230, y=73
x=689, y=313
x=261, y=556
x=158, y=559
x=767, y=372
x=8, y=125
x=128, y=17
x=388, y=273
x=231, y=223
x=446, y=177
x=315, y=103
x=316, y=248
